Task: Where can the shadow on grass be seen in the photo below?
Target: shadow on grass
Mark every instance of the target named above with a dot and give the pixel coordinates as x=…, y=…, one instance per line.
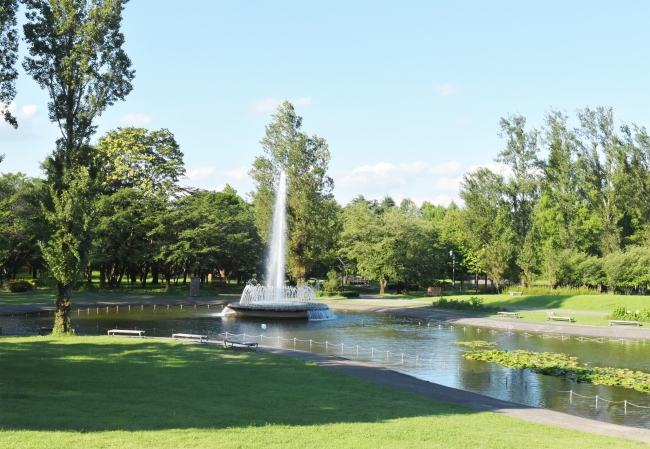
x=96, y=384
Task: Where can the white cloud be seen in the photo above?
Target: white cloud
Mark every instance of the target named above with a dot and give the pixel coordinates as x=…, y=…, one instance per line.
x=448, y=168
x=26, y=116
x=237, y=173
x=383, y=174
x=267, y=105
x=449, y=184
x=442, y=200
x=28, y=111
x=302, y=102
x=271, y=104
x=201, y=173
x=135, y=120
x=445, y=90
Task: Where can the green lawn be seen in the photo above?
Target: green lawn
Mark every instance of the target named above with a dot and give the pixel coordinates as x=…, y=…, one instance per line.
x=526, y=305
x=127, y=393
x=123, y=294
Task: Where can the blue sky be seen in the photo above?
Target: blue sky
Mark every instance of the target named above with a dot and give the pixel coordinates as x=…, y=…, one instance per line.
x=407, y=94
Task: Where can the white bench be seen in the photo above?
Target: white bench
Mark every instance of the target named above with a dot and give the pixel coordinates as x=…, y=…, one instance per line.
x=512, y=314
x=613, y=322
x=559, y=318
x=248, y=344
x=515, y=293
x=190, y=337
x=113, y=332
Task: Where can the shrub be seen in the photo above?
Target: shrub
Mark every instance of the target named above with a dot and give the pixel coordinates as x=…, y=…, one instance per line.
x=622, y=313
x=18, y=285
x=473, y=303
x=332, y=283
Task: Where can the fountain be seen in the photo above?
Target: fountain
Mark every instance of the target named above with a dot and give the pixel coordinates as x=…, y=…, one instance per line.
x=277, y=300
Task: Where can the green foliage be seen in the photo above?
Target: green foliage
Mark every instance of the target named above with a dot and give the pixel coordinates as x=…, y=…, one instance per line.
x=76, y=55
x=150, y=161
x=8, y=58
x=562, y=365
x=385, y=243
x=623, y=313
x=333, y=282
x=312, y=212
x=473, y=303
x=18, y=285
x=66, y=252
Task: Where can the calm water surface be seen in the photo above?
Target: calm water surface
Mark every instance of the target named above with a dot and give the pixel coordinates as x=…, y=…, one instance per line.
x=428, y=350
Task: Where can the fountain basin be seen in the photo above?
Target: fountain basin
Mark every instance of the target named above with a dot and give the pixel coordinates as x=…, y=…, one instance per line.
x=282, y=310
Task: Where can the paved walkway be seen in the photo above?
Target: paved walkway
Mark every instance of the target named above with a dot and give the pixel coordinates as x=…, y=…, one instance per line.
x=615, y=332
x=386, y=377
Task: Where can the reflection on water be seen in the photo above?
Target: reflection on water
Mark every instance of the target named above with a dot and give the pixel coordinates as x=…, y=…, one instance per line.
x=421, y=349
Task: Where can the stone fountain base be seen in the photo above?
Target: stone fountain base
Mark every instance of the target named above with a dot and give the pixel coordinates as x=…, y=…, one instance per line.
x=284, y=311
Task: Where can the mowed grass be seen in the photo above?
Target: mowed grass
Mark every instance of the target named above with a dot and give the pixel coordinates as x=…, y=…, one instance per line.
x=533, y=307
x=131, y=393
x=43, y=295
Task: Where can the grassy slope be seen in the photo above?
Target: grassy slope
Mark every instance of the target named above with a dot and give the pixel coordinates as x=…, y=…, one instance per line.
x=600, y=304
x=123, y=393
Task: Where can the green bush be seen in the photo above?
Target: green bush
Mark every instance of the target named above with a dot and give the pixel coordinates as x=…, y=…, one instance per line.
x=473, y=303
x=332, y=283
x=622, y=313
x=18, y=285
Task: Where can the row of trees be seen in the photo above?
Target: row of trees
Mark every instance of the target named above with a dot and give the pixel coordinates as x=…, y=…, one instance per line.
x=585, y=205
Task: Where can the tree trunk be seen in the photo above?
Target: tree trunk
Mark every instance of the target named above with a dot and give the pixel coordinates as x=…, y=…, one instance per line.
x=62, y=315
x=143, y=276
x=168, y=278
x=154, y=274
x=382, y=286
x=35, y=273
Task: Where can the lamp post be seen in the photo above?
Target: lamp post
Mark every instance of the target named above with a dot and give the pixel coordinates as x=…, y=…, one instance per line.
x=453, y=271
x=476, y=278
x=345, y=277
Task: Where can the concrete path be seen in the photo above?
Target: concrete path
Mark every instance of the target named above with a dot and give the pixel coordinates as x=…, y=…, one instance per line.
x=614, y=332
x=392, y=379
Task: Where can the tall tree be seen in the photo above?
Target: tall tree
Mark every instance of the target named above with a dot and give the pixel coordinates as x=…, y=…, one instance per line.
x=75, y=54
x=150, y=161
x=522, y=187
x=598, y=138
x=486, y=222
x=8, y=59
x=312, y=211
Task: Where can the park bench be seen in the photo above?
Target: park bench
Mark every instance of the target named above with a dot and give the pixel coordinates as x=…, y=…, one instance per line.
x=613, y=322
x=358, y=280
x=515, y=293
x=559, y=318
x=248, y=344
x=512, y=314
x=190, y=337
x=113, y=332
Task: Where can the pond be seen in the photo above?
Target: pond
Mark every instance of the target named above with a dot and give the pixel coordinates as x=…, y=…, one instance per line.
x=422, y=349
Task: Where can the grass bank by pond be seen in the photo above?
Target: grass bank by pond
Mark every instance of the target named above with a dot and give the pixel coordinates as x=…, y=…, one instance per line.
x=124, y=393
x=585, y=309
